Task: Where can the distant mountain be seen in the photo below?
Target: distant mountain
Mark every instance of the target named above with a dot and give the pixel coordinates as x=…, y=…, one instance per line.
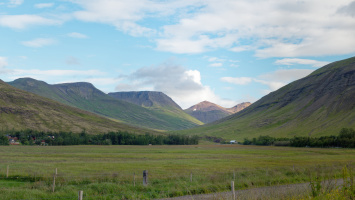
x=20, y=110
x=148, y=99
x=85, y=96
x=156, y=101
x=319, y=104
x=239, y=107
x=208, y=112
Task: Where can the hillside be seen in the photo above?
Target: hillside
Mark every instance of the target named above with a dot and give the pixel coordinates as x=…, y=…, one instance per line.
x=208, y=112
x=85, y=96
x=157, y=101
x=319, y=104
x=21, y=110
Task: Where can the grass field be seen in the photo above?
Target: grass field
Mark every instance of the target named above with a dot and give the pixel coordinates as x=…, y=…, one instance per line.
x=107, y=172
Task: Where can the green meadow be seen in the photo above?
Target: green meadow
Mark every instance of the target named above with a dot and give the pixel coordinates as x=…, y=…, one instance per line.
x=115, y=172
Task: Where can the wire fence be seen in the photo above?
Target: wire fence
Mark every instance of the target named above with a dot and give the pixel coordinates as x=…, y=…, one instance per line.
x=129, y=184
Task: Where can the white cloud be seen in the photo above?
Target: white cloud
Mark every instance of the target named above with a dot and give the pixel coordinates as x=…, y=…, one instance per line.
x=24, y=21
x=292, y=61
x=3, y=65
x=285, y=75
x=77, y=35
x=14, y=3
x=182, y=85
x=273, y=80
x=126, y=15
x=121, y=14
x=271, y=28
x=44, y=5
x=3, y=62
x=39, y=42
x=237, y=80
x=216, y=65
x=348, y=9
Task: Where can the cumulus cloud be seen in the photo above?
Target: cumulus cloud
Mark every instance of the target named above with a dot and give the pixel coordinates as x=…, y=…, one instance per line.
x=274, y=80
x=182, y=85
x=24, y=21
x=44, y=5
x=77, y=35
x=39, y=42
x=292, y=61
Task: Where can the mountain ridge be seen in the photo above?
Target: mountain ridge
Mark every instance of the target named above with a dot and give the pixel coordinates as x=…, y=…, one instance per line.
x=22, y=110
x=85, y=96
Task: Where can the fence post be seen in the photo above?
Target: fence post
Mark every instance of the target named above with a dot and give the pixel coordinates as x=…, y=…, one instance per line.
x=134, y=179
x=233, y=192
x=53, y=183
x=80, y=196
x=145, y=177
x=233, y=175
x=7, y=171
x=191, y=177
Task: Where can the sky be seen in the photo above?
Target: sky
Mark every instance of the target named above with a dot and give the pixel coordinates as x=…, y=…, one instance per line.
x=222, y=51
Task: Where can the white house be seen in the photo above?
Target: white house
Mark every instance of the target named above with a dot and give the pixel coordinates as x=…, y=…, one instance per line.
x=233, y=142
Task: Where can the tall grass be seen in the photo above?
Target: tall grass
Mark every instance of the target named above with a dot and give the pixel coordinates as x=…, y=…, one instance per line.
x=107, y=172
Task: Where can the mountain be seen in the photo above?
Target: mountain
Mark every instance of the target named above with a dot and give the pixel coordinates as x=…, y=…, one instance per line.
x=21, y=110
x=208, y=112
x=319, y=104
x=148, y=99
x=156, y=101
x=239, y=107
x=85, y=96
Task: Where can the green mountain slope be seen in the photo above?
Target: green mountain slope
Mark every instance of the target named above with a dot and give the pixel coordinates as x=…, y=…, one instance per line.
x=21, y=110
x=320, y=104
x=85, y=96
x=156, y=101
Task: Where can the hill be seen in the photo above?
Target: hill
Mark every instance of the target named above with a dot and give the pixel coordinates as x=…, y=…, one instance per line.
x=21, y=110
x=156, y=101
x=85, y=96
x=208, y=112
x=319, y=104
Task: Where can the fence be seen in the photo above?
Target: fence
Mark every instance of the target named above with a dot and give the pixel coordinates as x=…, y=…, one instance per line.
x=155, y=184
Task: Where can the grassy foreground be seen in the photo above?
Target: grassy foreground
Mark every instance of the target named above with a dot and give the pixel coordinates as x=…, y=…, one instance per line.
x=107, y=172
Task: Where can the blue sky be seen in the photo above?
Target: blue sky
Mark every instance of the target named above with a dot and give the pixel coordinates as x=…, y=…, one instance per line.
x=223, y=51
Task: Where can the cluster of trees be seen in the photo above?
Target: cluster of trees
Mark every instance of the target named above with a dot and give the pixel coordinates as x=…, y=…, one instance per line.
x=345, y=139
x=32, y=137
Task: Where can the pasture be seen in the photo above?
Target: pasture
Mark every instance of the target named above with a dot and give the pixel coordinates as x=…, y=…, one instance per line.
x=115, y=172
